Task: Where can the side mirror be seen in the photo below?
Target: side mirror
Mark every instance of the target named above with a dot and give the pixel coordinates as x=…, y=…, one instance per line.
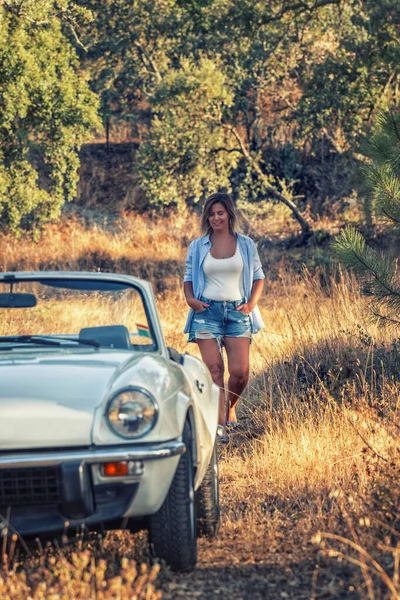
x=12, y=300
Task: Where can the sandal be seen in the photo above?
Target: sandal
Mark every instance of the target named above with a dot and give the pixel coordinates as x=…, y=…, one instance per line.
x=232, y=426
x=222, y=438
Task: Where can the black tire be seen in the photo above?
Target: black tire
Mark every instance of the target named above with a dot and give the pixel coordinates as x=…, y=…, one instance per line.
x=172, y=530
x=207, y=500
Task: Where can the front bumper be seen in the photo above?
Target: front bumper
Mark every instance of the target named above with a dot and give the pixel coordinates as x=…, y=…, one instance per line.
x=47, y=491
x=92, y=455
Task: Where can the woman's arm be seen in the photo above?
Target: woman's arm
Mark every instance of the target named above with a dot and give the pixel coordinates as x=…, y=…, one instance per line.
x=256, y=292
x=258, y=272
x=197, y=305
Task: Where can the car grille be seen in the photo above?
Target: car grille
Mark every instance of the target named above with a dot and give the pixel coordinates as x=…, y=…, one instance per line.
x=35, y=485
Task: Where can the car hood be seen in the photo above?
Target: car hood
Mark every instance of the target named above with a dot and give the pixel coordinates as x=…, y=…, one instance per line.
x=49, y=400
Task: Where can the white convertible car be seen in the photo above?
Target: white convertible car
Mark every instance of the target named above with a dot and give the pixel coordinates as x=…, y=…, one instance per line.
x=101, y=424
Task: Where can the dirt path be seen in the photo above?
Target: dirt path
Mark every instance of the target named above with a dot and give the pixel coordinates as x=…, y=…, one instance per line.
x=250, y=563
x=264, y=550
x=229, y=569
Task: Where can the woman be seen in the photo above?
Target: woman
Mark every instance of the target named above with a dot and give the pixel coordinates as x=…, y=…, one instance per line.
x=223, y=283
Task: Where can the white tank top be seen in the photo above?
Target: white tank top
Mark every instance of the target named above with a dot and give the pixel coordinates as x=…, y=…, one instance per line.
x=224, y=277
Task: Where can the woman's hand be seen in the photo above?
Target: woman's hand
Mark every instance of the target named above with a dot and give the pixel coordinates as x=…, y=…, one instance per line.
x=246, y=308
x=197, y=305
x=256, y=291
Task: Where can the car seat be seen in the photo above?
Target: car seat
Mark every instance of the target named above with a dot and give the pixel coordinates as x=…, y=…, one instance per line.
x=113, y=336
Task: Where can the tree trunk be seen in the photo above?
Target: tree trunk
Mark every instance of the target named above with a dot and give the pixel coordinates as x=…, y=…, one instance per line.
x=305, y=226
x=306, y=229
x=107, y=134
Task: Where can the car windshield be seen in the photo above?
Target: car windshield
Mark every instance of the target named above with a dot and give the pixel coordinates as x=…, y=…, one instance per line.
x=83, y=313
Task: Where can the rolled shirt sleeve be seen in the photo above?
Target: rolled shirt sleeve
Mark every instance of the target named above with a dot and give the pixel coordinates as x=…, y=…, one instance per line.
x=258, y=272
x=189, y=264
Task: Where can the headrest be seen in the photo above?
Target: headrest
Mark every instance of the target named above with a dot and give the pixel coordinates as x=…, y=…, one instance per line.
x=113, y=336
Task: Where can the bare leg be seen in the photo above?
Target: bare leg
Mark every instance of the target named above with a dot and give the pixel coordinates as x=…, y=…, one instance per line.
x=212, y=357
x=237, y=350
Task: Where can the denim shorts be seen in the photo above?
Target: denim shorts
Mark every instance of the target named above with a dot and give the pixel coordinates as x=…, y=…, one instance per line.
x=218, y=320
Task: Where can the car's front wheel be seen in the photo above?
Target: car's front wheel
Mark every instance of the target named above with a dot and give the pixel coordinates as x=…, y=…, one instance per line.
x=207, y=500
x=172, y=530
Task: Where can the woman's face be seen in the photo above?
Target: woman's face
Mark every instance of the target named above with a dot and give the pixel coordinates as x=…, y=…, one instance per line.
x=218, y=217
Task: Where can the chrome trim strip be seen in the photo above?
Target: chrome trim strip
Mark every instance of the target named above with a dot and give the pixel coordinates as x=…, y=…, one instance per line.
x=93, y=455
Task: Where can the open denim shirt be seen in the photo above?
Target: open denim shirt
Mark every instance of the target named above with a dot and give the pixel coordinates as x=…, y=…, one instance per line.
x=252, y=270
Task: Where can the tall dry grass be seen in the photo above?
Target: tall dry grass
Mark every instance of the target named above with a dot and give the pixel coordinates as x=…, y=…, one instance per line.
x=77, y=240
x=320, y=454
x=313, y=473
x=98, y=568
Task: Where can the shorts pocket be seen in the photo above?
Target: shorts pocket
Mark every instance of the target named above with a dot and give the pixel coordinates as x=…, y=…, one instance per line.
x=239, y=317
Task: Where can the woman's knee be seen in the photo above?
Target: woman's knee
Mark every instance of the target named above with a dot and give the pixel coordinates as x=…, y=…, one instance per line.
x=217, y=372
x=240, y=374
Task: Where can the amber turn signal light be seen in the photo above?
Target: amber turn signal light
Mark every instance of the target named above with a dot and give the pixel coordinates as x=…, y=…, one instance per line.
x=115, y=469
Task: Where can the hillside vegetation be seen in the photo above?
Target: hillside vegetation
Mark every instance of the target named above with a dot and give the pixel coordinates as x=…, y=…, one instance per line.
x=310, y=490
x=268, y=100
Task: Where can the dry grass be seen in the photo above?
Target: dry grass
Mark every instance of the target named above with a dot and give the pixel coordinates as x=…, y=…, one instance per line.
x=149, y=246
x=70, y=311
x=312, y=478
x=321, y=448
x=101, y=568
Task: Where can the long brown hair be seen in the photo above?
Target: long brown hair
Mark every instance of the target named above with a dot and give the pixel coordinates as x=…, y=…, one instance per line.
x=227, y=203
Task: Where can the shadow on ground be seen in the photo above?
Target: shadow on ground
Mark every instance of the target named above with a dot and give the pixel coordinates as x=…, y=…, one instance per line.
x=229, y=568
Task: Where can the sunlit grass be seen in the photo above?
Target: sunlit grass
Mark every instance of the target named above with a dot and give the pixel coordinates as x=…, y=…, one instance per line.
x=78, y=244
x=320, y=416
x=69, y=312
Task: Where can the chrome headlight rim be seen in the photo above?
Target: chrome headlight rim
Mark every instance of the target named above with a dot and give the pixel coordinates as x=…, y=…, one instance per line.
x=132, y=388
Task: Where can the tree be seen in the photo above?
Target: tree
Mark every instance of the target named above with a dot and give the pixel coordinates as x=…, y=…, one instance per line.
x=127, y=48
x=378, y=272
x=46, y=111
x=355, y=75
x=179, y=159
x=138, y=51
x=294, y=73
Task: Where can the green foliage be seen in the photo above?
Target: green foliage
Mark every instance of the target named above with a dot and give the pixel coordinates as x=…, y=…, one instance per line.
x=130, y=45
x=46, y=112
x=296, y=73
x=183, y=156
x=355, y=73
x=383, y=171
x=157, y=62
x=378, y=272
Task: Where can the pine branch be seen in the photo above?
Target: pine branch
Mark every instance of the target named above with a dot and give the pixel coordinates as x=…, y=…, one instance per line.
x=377, y=272
x=384, y=148
x=386, y=187
x=383, y=320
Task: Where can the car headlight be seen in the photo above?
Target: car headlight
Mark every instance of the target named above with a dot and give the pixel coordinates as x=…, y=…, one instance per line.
x=132, y=412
